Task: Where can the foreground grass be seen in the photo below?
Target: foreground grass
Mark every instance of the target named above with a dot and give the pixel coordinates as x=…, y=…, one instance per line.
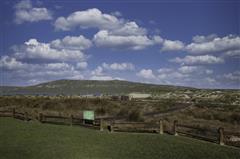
x=33, y=140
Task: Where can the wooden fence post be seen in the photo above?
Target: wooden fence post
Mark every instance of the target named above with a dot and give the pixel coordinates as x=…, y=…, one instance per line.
x=83, y=121
x=160, y=127
x=40, y=117
x=101, y=124
x=71, y=119
x=26, y=116
x=13, y=112
x=175, y=128
x=111, y=126
x=221, y=136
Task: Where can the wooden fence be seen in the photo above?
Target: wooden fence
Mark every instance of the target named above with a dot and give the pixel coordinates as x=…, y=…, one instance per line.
x=53, y=119
x=219, y=135
x=151, y=127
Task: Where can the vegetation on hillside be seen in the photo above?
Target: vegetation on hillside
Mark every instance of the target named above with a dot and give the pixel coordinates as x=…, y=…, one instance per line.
x=204, y=113
x=82, y=87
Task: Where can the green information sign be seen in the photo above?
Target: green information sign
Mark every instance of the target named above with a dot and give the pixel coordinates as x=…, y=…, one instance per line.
x=88, y=115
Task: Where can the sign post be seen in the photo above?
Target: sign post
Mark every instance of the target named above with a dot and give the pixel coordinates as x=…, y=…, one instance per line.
x=88, y=116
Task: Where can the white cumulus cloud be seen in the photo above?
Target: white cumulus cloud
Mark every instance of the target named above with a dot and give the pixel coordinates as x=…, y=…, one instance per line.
x=10, y=63
x=94, y=18
x=102, y=78
x=32, y=73
x=91, y=18
x=235, y=76
x=98, y=71
x=72, y=42
x=198, y=60
x=212, y=44
x=33, y=49
x=135, y=42
x=58, y=66
x=203, y=39
x=119, y=66
x=188, y=69
x=169, y=45
x=25, y=12
x=82, y=65
x=146, y=73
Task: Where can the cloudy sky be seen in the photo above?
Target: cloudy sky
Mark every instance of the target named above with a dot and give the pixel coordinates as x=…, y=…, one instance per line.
x=189, y=43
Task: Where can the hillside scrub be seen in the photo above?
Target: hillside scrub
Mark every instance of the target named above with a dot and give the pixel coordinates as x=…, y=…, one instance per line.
x=202, y=110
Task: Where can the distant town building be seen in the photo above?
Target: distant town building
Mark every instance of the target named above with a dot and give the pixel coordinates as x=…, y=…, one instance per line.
x=125, y=98
x=88, y=96
x=139, y=95
x=115, y=97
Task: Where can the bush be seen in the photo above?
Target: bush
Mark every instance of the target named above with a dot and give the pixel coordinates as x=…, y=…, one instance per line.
x=135, y=115
x=235, y=118
x=101, y=111
x=123, y=112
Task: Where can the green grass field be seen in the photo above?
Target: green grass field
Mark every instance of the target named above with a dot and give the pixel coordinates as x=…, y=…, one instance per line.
x=30, y=140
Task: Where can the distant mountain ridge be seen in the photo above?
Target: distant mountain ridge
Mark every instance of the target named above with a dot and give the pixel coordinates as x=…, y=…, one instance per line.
x=83, y=87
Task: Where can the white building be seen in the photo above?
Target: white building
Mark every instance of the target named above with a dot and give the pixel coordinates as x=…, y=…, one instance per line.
x=139, y=95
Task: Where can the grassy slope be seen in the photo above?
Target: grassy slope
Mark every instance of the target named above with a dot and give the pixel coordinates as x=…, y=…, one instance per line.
x=76, y=87
x=33, y=140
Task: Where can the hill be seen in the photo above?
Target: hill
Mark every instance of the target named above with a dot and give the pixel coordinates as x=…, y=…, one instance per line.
x=82, y=87
x=34, y=140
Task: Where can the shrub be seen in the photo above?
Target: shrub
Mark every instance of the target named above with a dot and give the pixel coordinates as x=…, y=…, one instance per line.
x=135, y=115
x=123, y=112
x=101, y=111
x=235, y=118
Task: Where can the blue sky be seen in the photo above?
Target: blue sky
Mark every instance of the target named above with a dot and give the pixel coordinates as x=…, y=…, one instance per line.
x=190, y=42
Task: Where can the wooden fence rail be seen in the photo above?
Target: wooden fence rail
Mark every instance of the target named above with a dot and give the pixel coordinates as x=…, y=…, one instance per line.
x=70, y=120
x=53, y=119
x=197, y=128
x=207, y=134
x=5, y=113
x=156, y=127
x=219, y=135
